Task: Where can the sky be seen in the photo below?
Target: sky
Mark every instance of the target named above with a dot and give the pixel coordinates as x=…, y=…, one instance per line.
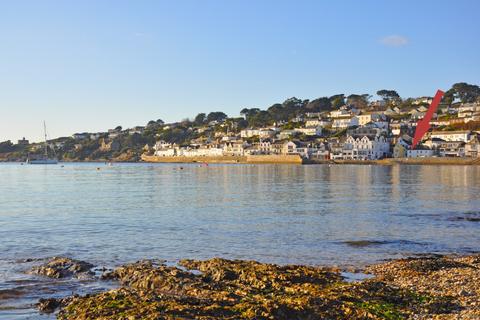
x=93, y=65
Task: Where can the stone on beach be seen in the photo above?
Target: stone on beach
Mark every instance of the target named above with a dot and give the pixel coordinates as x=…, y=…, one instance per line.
x=61, y=267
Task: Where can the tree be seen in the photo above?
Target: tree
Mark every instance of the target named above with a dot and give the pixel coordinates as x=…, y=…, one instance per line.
x=249, y=112
x=465, y=92
x=200, y=119
x=359, y=101
x=389, y=96
x=337, y=100
x=216, y=116
x=242, y=124
x=277, y=112
x=319, y=105
x=6, y=146
x=118, y=128
x=260, y=119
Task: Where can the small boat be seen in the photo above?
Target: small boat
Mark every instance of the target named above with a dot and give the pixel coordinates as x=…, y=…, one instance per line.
x=44, y=159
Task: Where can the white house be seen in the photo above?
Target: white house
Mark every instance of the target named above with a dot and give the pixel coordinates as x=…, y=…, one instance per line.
x=452, y=135
x=233, y=149
x=365, y=118
x=263, y=133
x=290, y=147
x=315, y=122
x=164, y=149
x=345, y=122
x=420, y=153
x=310, y=131
x=416, y=115
x=285, y=134
x=467, y=109
x=366, y=148
x=248, y=133
x=339, y=113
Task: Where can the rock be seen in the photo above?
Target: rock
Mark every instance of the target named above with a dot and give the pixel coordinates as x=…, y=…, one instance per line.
x=61, y=267
x=49, y=305
x=419, y=288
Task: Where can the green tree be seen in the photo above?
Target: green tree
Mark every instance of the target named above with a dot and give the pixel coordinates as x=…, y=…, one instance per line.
x=260, y=119
x=6, y=146
x=337, y=100
x=216, y=116
x=200, y=119
x=319, y=105
x=277, y=112
x=389, y=96
x=360, y=101
x=465, y=92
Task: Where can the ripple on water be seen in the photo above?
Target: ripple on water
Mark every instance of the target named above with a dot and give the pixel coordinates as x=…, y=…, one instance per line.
x=469, y=216
x=372, y=243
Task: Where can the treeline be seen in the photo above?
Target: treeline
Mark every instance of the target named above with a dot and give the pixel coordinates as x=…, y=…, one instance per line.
x=293, y=107
x=185, y=131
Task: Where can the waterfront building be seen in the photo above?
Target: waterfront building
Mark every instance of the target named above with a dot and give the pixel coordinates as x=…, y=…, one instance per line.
x=463, y=135
x=366, y=148
x=420, y=152
x=472, y=148
x=452, y=149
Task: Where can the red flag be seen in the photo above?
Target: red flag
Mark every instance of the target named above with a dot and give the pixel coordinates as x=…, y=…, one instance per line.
x=424, y=124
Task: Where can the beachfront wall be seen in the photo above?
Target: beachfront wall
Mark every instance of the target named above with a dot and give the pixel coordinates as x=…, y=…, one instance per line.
x=292, y=158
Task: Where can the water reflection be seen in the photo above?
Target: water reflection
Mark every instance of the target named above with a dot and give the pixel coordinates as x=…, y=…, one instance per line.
x=278, y=213
x=339, y=214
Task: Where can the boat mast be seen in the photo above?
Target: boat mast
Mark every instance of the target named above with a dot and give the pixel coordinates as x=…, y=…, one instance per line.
x=45, y=131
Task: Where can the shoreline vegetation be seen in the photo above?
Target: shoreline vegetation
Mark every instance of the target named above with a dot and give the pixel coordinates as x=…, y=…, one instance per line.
x=426, y=287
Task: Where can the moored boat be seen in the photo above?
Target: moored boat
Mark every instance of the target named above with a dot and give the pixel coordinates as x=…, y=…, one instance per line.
x=44, y=159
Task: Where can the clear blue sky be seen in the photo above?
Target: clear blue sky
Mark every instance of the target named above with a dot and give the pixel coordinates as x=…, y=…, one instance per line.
x=92, y=65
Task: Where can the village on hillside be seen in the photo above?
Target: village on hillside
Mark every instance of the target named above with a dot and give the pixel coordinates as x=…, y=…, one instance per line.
x=329, y=128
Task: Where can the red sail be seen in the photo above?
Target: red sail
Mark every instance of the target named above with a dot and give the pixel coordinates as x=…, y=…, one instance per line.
x=424, y=124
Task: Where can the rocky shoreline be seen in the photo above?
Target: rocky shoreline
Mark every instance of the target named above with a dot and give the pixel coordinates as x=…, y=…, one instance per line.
x=430, y=287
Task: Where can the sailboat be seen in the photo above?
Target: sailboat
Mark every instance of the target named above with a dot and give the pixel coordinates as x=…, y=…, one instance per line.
x=43, y=159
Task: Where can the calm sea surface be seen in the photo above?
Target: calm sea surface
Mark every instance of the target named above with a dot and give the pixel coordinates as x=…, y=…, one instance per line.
x=319, y=214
